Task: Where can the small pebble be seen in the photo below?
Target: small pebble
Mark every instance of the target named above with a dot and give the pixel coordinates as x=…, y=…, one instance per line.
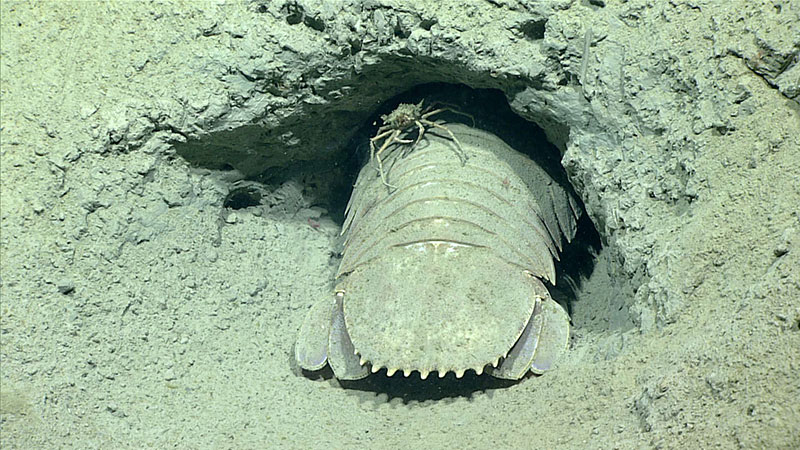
x=37, y=206
x=65, y=286
x=169, y=375
x=212, y=255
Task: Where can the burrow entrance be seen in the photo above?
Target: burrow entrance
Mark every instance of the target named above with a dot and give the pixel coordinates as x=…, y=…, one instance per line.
x=326, y=183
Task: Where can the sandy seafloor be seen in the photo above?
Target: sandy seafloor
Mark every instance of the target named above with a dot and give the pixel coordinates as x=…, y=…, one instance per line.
x=137, y=312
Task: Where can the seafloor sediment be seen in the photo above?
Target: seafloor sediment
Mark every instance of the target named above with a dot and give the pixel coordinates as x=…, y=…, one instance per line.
x=142, y=304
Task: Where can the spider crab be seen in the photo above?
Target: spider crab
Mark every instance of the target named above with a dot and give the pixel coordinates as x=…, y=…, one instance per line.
x=402, y=119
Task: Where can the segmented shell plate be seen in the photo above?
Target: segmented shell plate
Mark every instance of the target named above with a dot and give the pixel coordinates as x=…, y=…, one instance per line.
x=437, y=273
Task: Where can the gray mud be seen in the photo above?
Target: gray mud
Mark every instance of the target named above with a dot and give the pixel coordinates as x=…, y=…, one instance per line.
x=140, y=308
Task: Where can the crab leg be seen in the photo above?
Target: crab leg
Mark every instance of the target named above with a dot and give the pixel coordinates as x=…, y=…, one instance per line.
x=377, y=155
x=421, y=132
x=452, y=110
x=381, y=134
x=462, y=155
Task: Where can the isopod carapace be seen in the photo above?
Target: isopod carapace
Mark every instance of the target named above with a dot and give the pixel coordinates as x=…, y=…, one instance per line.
x=444, y=271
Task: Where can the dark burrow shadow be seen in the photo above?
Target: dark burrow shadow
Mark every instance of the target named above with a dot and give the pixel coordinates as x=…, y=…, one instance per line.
x=414, y=389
